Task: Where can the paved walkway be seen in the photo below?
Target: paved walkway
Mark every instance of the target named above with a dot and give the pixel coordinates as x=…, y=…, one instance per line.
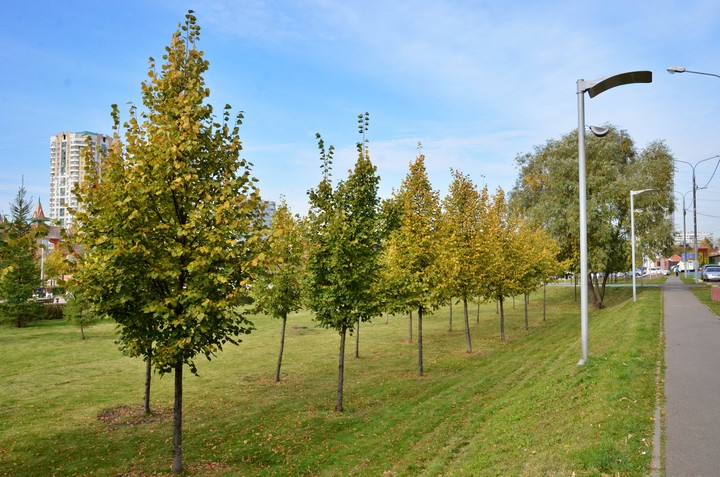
x=692, y=384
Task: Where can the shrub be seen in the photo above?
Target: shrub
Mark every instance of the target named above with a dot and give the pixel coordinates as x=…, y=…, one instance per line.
x=54, y=311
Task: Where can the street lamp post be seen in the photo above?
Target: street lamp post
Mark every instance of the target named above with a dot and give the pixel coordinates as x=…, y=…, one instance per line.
x=593, y=88
x=684, y=257
x=694, y=191
x=633, y=193
x=680, y=69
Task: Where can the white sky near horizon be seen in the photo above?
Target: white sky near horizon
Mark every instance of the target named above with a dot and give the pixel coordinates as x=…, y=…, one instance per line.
x=476, y=82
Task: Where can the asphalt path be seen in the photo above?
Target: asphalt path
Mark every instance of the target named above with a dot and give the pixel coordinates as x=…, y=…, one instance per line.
x=692, y=384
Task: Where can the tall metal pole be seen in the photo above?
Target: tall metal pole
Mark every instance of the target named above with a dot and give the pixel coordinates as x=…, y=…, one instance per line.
x=633, y=193
x=583, y=225
x=684, y=237
x=632, y=241
x=593, y=88
x=695, y=262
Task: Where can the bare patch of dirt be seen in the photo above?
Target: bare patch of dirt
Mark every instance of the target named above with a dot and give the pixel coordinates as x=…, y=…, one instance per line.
x=133, y=416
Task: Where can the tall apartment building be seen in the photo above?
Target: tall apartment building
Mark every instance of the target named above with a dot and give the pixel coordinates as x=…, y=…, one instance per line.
x=67, y=168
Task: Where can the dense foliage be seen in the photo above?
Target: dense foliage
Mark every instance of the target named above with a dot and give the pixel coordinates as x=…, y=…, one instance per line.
x=546, y=192
x=19, y=267
x=344, y=249
x=170, y=225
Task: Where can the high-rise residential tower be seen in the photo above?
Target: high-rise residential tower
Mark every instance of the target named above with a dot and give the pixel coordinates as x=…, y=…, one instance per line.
x=67, y=168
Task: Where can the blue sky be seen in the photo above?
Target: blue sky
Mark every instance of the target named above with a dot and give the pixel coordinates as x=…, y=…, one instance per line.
x=476, y=82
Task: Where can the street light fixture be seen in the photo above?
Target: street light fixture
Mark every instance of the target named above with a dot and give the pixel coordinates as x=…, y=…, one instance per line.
x=680, y=69
x=633, y=193
x=593, y=88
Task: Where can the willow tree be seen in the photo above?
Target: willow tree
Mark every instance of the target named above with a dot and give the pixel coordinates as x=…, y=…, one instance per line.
x=343, y=250
x=170, y=223
x=411, y=256
x=546, y=192
x=277, y=290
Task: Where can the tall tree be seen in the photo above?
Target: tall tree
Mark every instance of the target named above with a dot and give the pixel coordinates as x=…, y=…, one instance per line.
x=546, y=191
x=19, y=268
x=343, y=250
x=277, y=290
x=464, y=245
x=175, y=216
x=411, y=260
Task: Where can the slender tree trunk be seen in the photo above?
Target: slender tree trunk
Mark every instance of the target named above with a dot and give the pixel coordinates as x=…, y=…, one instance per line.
x=341, y=371
x=544, y=300
x=411, y=329
x=177, y=465
x=387, y=317
x=82, y=332
x=282, y=348
x=497, y=307
x=451, y=307
x=575, y=286
x=420, y=349
x=527, y=299
x=502, y=319
x=467, y=326
x=148, y=377
x=357, y=339
x=477, y=318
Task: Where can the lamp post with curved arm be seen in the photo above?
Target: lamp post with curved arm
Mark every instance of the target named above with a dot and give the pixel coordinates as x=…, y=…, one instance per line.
x=593, y=88
x=680, y=69
x=694, y=191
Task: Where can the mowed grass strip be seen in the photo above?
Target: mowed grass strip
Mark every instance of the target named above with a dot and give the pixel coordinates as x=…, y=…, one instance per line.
x=520, y=407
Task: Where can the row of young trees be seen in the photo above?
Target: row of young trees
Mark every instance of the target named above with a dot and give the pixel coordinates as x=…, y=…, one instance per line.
x=354, y=257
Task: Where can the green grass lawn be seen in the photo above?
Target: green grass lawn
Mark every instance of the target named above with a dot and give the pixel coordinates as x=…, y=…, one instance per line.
x=516, y=408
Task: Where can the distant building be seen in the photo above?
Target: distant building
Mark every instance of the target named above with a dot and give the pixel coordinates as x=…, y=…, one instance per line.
x=67, y=168
x=270, y=209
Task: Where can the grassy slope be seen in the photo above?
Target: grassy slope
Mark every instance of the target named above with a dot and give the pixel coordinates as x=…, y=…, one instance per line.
x=520, y=407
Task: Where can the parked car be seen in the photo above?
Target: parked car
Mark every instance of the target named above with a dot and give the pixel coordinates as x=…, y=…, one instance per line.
x=711, y=274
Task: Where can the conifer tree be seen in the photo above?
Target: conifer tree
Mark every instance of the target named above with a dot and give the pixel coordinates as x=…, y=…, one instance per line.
x=19, y=268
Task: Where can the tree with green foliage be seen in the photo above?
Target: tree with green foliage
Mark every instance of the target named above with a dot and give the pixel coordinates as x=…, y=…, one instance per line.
x=170, y=224
x=277, y=290
x=78, y=313
x=546, y=192
x=343, y=250
x=537, y=253
x=506, y=259
x=463, y=242
x=19, y=268
x=411, y=256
